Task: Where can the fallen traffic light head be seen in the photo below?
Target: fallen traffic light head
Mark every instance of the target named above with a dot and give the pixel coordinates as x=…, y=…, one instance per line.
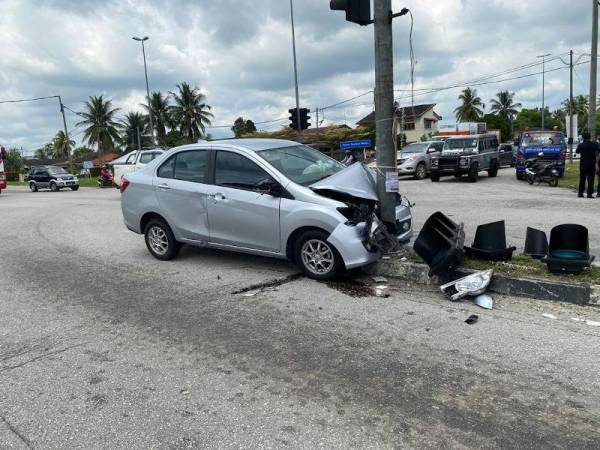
x=536, y=243
x=490, y=243
x=440, y=244
x=569, y=250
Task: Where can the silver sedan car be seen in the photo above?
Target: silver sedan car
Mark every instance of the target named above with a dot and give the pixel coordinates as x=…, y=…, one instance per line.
x=265, y=197
x=415, y=159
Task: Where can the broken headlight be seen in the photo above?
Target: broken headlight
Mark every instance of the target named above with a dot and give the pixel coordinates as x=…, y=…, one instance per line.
x=471, y=285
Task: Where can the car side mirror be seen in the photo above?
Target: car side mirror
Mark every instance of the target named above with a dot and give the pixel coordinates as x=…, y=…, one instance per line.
x=270, y=187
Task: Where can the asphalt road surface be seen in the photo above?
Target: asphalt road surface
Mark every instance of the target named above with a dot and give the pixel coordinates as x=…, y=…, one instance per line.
x=503, y=198
x=102, y=346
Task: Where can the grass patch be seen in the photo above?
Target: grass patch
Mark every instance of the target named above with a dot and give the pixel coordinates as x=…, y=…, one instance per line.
x=570, y=179
x=521, y=266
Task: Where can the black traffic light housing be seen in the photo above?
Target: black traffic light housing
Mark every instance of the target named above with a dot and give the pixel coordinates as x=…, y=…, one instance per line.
x=357, y=11
x=304, y=117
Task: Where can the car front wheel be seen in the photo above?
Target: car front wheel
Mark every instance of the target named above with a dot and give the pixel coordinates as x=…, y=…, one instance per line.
x=317, y=258
x=160, y=240
x=33, y=187
x=421, y=171
x=74, y=188
x=54, y=187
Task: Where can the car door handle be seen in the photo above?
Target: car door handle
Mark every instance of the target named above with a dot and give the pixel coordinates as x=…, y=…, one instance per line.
x=163, y=186
x=217, y=197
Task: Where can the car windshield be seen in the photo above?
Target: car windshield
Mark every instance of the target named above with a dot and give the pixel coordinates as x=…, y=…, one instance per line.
x=538, y=139
x=415, y=148
x=57, y=170
x=301, y=164
x=460, y=143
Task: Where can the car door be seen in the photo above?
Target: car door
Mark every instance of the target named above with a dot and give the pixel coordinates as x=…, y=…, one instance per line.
x=42, y=178
x=239, y=214
x=506, y=154
x=181, y=190
x=434, y=149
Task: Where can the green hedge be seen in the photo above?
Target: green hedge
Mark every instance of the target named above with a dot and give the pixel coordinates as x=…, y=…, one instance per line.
x=12, y=176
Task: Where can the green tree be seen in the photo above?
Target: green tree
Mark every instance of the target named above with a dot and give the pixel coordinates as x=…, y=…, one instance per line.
x=581, y=107
x=504, y=107
x=61, y=147
x=190, y=113
x=471, y=108
x=44, y=152
x=495, y=122
x=159, y=109
x=532, y=118
x=14, y=161
x=241, y=127
x=135, y=126
x=81, y=151
x=102, y=127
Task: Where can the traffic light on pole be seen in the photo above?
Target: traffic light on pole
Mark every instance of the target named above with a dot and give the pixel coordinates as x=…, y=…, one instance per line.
x=357, y=11
x=293, y=118
x=304, y=117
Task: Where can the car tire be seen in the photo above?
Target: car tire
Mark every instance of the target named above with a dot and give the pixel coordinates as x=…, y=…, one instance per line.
x=493, y=172
x=474, y=173
x=420, y=171
x=519, y=176
x=458, y=175
x=435, y=177
x=54, y=187
x=160, y=240
x=553, y=181
x=33, y=187
x=317, y=258
x=74, y=188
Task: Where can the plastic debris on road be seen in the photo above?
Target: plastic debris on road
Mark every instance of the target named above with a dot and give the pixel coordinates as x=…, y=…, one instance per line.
x=472, y=285
x=473, y=318
x=549, y=316
x=485, y=301
x=591, y=323
x=381, y=291
x=379, y=279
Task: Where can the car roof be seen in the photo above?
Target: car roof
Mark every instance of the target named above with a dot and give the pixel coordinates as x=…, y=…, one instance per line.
x=473, y=136
x=255, y=144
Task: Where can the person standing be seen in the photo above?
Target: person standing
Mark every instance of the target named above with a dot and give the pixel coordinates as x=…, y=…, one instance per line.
x=587, y=165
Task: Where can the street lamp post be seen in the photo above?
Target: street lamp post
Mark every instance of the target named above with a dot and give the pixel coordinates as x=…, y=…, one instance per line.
x=145, y=38
x=543, y=85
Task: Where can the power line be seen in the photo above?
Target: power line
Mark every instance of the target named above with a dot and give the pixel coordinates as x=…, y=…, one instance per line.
x=23, y=100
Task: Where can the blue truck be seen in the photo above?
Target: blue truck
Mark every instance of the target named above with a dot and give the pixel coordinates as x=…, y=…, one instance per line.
x=544, y=145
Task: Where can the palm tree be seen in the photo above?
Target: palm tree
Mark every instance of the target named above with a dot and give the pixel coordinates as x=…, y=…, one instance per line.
x=135, y=130
x=504, y=107
x=471, y=109
x=159, y=108
x=580, y=107
x=61, y=145
x=102, y=127
x=190, y=112
x=44, y=152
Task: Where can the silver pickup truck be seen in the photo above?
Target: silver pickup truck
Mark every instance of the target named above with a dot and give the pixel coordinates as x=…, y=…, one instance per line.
x=467, y=155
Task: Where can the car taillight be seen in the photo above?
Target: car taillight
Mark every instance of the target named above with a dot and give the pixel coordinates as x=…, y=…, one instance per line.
x=124, y=184
x=520, y=157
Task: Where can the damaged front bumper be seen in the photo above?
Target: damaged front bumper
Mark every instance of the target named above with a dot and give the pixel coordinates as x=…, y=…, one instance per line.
x=363, y=244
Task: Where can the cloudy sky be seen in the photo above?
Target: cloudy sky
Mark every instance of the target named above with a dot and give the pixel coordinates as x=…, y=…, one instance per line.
x=239, y=53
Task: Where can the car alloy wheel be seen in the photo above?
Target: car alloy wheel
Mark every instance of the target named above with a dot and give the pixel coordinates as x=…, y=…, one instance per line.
x=158, y=240
x=317, y=257
x=421, y=172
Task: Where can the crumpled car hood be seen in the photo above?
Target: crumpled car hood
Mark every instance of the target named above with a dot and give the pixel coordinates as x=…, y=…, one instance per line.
x=356, y=180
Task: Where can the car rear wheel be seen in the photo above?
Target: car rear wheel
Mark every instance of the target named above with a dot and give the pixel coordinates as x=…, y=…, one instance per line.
x=74, y=188
x=420, y=171
x=519, y=176
x=316, y=257
x=493, y=172
x=160, y=240
x=53, y=187
x=33, y=187
x=474, y=173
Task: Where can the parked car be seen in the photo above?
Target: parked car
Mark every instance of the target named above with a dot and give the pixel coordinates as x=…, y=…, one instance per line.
x=507, y=155
x=135, y=161
x=542, y=145
x=51, y=177
x=265, y=197
x=415, y=159
x=467, y=155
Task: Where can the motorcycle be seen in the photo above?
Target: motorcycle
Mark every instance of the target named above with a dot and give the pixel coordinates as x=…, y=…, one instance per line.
x=106, y=181
x=537, y=172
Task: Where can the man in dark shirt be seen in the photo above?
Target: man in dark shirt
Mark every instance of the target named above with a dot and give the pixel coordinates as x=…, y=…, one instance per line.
x=587, y=165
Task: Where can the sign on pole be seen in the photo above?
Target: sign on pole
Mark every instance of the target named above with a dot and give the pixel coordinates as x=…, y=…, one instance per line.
x=575, y=128
x=88, y=164
x=365, y=143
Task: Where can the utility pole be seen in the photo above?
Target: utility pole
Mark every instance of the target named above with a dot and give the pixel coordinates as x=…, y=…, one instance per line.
x=142, y=40
x=593, y=72
x=317, y=111
x=571, y=137
x=384, y=106
x=295, y=68
x=62, y=110
x=543, y=86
